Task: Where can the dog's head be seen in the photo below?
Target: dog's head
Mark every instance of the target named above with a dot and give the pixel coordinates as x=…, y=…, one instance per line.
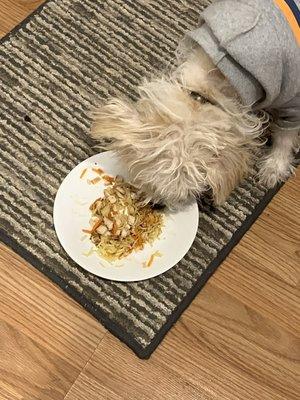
x=178, y=146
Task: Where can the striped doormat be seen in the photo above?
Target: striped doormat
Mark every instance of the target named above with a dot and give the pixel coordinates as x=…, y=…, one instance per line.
x=53, y=68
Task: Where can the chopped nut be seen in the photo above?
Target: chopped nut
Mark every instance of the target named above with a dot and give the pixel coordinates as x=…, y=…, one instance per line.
x=94, y=181
x=105, y=211
x=131, y=219
x=83, y=173
x=120, y=195
x=112, y=199
x=98, y=171
x=108, y=223
x=119, y=179
x=108, y=192
x=124, y=233
x=109, y=179
x=101, y=230
x=120, y=190
x=118, y=222
x=131, y=210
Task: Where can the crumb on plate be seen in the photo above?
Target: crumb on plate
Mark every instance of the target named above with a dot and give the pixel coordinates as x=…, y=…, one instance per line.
x=148, y=263
x=94, y=181
x=98, y=171
x=83, y=173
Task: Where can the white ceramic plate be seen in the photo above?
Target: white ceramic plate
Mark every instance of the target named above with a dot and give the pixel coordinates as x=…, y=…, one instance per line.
x=71, y=215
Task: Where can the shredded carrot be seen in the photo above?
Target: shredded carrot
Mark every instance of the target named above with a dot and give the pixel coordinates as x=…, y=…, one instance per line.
x=95, y=180
x=108, y=178
x=114, y=229
x=98, y=171
x=83, y=173
x=94, y=227
x=151, y=259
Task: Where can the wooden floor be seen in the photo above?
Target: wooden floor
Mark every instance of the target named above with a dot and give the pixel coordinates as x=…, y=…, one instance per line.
x=240, y=339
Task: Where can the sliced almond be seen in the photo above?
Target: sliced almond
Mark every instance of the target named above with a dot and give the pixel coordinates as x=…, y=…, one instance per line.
x=119, y=179
x=112, y=199
x=109, y=179
x=124, y=233
x=131, y=210
x=108, y=223
x=131, y=220
x=108, y=192
x=120, y=190
x=118, y=222
x=94, y=181
x=102, y=229
x=105, y=211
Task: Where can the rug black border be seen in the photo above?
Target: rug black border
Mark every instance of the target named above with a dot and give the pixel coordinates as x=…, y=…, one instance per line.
x=115, y=329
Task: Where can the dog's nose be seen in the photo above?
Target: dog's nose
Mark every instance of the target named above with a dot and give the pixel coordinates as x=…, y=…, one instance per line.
x=157, y=206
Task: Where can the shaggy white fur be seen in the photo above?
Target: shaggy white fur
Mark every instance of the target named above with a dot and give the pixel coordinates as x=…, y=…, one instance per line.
x=277, y=165
x=187, y=133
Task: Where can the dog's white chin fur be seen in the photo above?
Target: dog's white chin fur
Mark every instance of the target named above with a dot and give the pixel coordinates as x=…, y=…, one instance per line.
x=177, y=147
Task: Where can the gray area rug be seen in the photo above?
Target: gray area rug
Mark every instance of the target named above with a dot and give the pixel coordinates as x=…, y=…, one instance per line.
x=53, y=68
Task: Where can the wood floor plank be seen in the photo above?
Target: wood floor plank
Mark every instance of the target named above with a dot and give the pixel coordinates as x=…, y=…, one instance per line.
x=239, y=340
x=13, y=12
x=30, y=371
x=263, y=271
x=43, y=333
x=209, y=366
x=91, y=388
x=114, y=373
x=220, y=349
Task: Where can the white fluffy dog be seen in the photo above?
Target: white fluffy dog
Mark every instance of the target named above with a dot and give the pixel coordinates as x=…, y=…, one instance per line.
x=190, y=131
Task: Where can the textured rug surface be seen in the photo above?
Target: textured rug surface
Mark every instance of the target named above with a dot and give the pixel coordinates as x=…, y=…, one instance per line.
x=53, y=68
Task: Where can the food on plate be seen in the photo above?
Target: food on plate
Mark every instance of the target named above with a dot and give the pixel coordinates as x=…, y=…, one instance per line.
x=83, y=173
x=94, y=180
x=120, y=224
x=98, y=171
x=108, y=179
x=151, y=259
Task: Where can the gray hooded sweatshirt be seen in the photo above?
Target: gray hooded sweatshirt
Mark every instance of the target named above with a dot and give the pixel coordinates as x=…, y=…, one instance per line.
x=256, y=45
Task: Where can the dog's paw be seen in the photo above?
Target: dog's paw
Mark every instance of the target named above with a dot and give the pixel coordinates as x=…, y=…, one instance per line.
x=273, y=170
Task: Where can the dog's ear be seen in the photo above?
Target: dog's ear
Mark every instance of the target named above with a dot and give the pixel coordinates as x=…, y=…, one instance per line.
x=117, y=119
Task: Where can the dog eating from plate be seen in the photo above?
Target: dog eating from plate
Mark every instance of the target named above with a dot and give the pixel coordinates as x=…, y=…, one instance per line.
x=201, y=128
